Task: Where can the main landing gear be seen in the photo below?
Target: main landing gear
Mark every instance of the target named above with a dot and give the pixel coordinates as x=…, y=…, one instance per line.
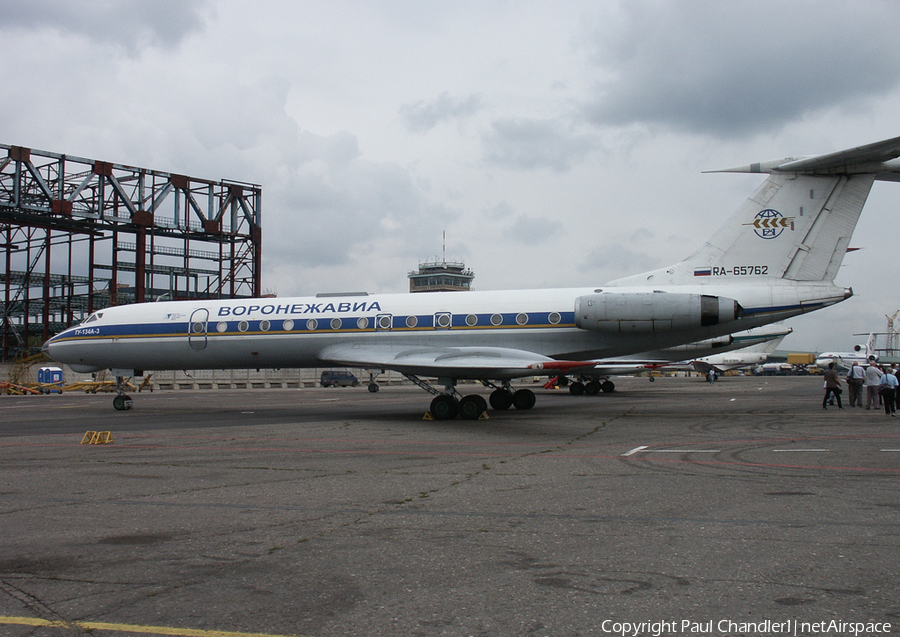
x=447, y=405
x=591, y=387
x=473, y=406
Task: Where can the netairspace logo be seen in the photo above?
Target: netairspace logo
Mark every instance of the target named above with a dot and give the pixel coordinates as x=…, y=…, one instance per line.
x=792, y=627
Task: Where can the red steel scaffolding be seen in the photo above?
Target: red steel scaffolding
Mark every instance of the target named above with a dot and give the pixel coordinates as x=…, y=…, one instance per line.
x=79, y=235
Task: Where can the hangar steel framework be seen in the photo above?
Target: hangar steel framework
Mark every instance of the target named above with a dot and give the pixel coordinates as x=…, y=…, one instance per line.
x=80, y=234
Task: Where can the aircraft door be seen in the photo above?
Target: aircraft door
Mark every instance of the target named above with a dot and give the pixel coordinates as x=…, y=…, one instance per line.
x=197, y=326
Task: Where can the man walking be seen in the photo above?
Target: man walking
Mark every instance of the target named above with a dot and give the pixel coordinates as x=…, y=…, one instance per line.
x=855, y=379
x=873, y=384
x=833, y=386
x=889, y=385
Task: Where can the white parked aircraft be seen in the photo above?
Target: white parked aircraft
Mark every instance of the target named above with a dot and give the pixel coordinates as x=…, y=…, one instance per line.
x=864, y=354
x=776, y=257
x=746, y=357
x=723, y=353
x=748, y=348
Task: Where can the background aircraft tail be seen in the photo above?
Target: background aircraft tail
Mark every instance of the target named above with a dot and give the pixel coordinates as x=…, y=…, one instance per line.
x=867, y=350
x=796, y=226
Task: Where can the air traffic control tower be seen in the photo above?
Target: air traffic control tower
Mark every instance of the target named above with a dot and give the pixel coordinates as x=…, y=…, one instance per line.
x=441, y=276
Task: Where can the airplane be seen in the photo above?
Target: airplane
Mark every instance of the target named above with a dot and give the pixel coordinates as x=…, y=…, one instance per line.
x=774, y=258
x=746, y=357
x=717, y=350
x=863, y=354
x=749, y=348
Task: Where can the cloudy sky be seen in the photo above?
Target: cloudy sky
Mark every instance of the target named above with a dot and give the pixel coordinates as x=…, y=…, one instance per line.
x=556, y=143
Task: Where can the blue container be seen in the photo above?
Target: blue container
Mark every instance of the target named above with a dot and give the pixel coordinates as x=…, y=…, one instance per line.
x=50, y=375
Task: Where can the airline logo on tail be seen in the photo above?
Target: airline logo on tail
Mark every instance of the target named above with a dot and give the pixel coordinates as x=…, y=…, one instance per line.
x=770, y=223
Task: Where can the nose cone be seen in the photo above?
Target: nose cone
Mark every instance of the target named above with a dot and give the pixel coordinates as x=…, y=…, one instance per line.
x=45, y=349
x=61, y=351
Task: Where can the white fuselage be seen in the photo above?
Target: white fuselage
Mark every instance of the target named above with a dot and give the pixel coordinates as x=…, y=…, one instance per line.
x=294, y=332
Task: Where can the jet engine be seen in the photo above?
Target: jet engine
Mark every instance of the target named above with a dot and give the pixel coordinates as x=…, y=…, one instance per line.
x=652, y=311
x=864, y=349
x=705, y=345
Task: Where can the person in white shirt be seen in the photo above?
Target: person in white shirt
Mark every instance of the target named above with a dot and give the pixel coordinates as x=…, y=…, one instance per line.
x=873, y=381
x=856, y=376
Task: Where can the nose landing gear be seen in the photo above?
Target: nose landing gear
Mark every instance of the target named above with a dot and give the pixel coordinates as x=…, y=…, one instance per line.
x=122, y=401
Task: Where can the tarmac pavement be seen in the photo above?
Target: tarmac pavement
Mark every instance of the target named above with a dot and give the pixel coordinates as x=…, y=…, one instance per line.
x=668, y=508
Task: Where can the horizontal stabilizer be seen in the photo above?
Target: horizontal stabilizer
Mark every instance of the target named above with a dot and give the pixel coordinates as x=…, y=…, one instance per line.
x=880, y=159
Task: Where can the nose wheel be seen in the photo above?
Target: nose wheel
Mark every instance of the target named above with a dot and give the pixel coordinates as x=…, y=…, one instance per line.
x=122, y=401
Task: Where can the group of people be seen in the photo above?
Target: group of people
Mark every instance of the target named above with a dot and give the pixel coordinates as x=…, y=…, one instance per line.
x=881, y=387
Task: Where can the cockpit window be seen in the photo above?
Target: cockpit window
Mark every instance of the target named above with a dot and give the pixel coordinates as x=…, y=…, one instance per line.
x=93, y=317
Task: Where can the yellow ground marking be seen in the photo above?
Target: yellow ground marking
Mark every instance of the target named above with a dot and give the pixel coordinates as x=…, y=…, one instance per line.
x=166, y=631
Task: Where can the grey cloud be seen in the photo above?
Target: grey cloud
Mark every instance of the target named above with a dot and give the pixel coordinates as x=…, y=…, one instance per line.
x=327, y=212
x=536, y=143
x=532, y=230
x=128, y=23
x=422, y=116
x=615, y=261
x=736, y=69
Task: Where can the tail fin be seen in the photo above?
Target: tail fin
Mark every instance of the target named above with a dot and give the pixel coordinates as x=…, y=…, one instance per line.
x=796, y=226
x=772, y=345
x=868, y=350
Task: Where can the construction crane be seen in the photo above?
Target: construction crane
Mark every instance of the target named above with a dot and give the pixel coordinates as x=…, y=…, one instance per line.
x=891, y=334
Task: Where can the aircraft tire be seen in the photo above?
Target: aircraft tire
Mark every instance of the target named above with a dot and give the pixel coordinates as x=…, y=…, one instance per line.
x=576, y=388
x=501, y=399
x=374, y=387
x=121, y=403
x=523, y=399
x=471, y=407
x=592, y=388
x=608, y=386
x=444, y=407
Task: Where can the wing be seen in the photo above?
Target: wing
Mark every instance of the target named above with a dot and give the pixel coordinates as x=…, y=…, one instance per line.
x=474, y=363
x=605, y=367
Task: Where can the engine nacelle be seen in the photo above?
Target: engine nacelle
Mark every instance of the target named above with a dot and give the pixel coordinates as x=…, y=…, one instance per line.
x=652, y=311
x=705, y=345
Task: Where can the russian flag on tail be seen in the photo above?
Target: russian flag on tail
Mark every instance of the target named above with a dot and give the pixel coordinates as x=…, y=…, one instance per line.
x=702, y=271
